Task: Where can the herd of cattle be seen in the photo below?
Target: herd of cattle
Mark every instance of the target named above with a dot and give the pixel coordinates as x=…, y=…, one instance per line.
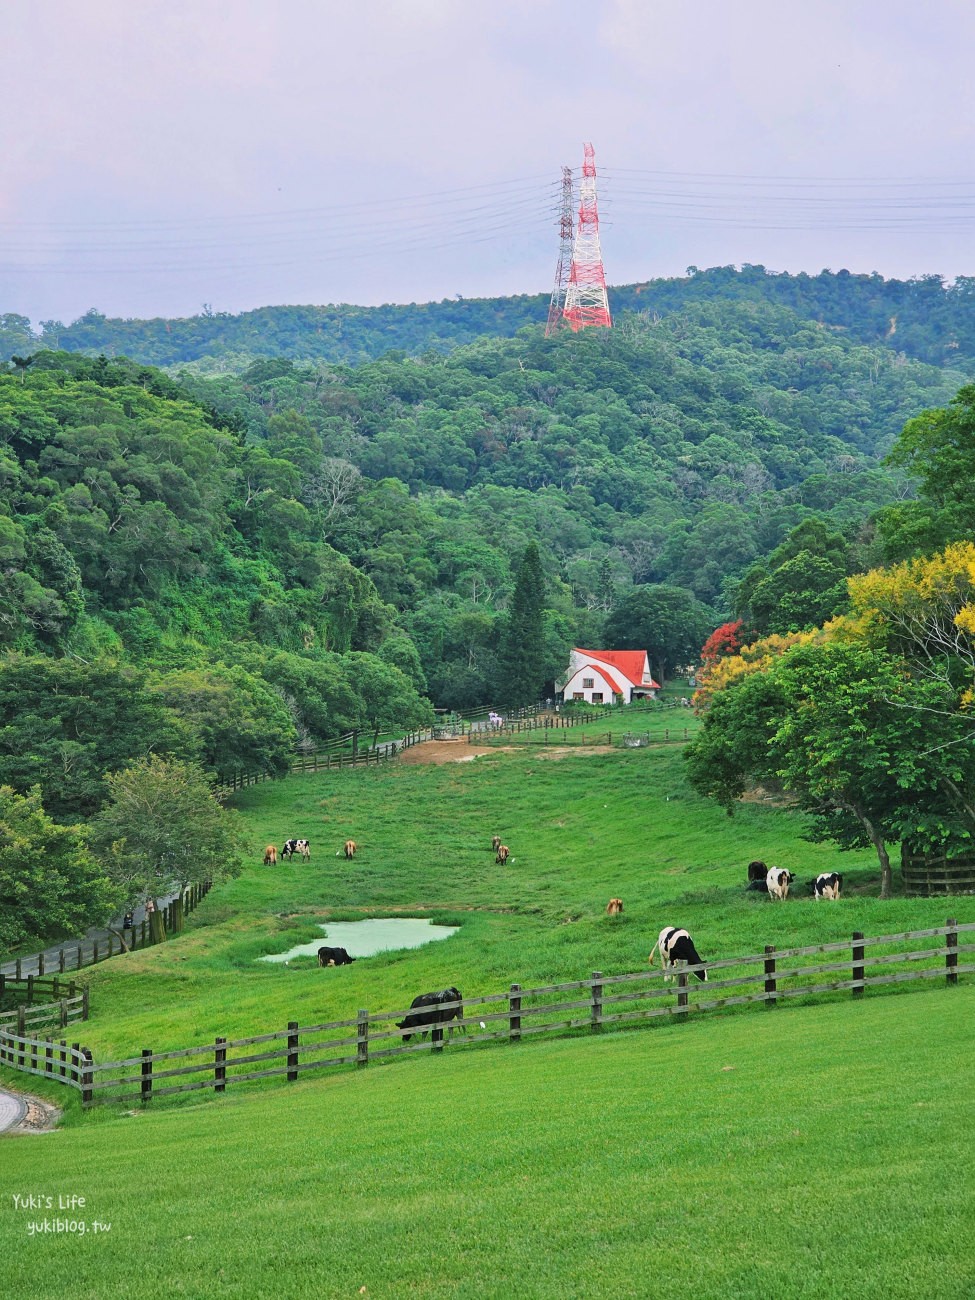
x=775, y=881
x=430, y=1012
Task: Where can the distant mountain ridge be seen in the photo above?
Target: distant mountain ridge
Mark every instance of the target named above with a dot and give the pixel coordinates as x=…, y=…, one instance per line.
x=926, y=318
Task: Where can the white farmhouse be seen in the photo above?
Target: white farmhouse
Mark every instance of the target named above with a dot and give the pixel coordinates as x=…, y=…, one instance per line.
x=603, y=676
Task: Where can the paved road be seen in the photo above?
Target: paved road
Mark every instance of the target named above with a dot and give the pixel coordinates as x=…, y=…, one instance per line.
x=29, y=965
x=12, y=1110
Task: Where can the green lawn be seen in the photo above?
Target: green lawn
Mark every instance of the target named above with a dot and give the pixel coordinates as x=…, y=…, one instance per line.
x=818, y=1153
x=828, y=1161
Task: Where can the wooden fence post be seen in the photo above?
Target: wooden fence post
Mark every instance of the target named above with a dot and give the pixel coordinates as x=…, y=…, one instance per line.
x=40, y=962
x=64, y=1013
x=857, y=965
x=220, y=1065
x=49, y=1057
x=61, y=962
x=514, y=1013
x=87, y=1078
x=682, y=997
x=951, y=951
x=77, y=964
x=63, y=1056
x=362, y=1038
x=18, y=975
x=770, y=974
x=30, y=989
x=84, y=1003
x=146, y=1083
x=292, y=1050
x=597, y=1001
x=94, y=954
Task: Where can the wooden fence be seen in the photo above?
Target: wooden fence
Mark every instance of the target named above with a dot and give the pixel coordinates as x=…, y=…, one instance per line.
x=770, y=977
x=38, y=1003
x=86, y=952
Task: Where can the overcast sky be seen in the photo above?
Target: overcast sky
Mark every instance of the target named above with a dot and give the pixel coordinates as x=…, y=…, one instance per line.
x=163, y=154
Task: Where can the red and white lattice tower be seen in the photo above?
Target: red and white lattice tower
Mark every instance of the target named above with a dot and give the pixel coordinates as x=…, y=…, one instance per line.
x=586, y=301
x=557, y=306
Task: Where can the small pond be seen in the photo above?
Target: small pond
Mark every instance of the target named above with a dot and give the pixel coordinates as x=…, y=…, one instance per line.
x=366, y=938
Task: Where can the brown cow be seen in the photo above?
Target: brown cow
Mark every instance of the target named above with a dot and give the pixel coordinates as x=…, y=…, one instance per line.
x=350, y=848
x=503, y=852
x=614, y=907
x=270, y=856
x=495, y=843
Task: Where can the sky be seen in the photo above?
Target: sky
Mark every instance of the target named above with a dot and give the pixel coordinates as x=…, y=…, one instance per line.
x=164, y=157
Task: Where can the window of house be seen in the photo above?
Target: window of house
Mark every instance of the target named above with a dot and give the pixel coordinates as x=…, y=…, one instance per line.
x=597, y=697
x=578, y=695
x=588, y=683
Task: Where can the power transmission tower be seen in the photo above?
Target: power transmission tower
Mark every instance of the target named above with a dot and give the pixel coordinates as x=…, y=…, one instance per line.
x=557, y=305
x=586, y=302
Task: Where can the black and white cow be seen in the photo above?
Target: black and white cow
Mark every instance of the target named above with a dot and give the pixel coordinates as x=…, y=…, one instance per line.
x=777, y=882
x=677, y=946
x=427, y=1011
x=291, y=847
x=827, y=885
x=334, y=957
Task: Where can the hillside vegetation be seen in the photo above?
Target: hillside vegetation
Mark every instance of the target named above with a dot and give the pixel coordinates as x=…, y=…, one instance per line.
x=924, y=317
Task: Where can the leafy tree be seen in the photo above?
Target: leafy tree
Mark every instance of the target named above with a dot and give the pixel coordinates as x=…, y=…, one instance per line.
x=521, y=655
x=64, y=723
x=161, y=830
x=236, y=722
x=387, y=699
x=869, y=754
x=50, y=885
x=938, y=448
x=668, y=622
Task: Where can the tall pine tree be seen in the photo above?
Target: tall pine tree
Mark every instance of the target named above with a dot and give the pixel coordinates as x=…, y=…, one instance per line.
x=521, y=654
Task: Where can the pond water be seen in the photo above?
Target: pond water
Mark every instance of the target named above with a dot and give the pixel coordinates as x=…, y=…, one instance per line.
x=366, y=938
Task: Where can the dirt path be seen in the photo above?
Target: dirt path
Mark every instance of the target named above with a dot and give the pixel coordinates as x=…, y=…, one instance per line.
x=461, y=751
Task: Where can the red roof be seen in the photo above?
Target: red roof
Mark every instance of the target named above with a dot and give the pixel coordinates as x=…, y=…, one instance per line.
x=631, y=663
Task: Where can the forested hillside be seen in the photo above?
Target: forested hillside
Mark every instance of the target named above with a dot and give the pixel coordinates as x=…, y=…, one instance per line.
x=924, y=318
x=200, y=574
x=275, y=524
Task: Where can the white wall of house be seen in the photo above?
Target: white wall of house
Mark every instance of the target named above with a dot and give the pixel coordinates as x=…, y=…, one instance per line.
x=589, y=684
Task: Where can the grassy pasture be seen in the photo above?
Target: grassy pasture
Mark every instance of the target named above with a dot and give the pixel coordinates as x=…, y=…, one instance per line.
x=582, y=828
x=815, y=1154
x=813, y=1151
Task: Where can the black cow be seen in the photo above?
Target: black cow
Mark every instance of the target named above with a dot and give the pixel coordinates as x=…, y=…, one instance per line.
x=827, y=885
x=429, y=1012
x=677, y=946
x=334, y=957
x=757, y=871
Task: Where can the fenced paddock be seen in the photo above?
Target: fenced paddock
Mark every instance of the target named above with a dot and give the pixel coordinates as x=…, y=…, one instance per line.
x=770, y=978
x=34, y=1003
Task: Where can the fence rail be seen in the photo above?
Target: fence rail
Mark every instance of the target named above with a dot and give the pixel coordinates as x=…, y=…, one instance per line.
x=768, y=978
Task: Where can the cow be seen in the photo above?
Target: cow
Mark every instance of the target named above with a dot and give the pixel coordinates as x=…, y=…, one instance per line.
x=427, y=1011
x=614, y=907
x=291, y=847
x=334, y=957
x=677, y=946
x=495, y=843
x=777, y=882
x=827, y=885
x=757, y=871
x=270, y=856
x=503, y=852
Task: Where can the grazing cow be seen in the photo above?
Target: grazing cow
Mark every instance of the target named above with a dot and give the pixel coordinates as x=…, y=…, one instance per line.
x=757, y=871
x=503, y=852
x=270, y=856
x=349, y=848
x=291, y=847
x=495, y=843
x=614, y=907
x=427, y=1011
x=777, y=882
x=827, y=885
x=757, y=887
x=677, y=946
x=334, y=957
